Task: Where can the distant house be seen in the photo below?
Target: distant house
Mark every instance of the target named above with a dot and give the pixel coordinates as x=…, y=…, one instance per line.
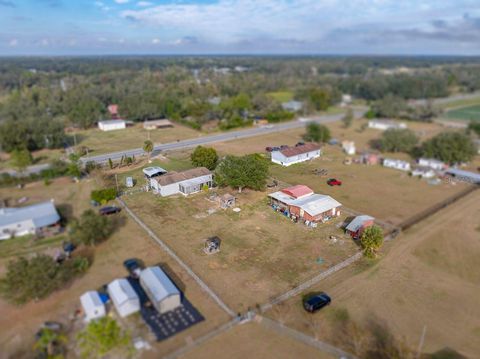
x=356, y=227
x=113, y=110
x=423, y=172
x=161, y=291
x=35, y=219
x=292, y=155
x=92, y=305
x=186, y=182
x=369, y=158
x=292, y=106
x=124, y=297
x=386, y=125
x=349, y=147
x=301, y=203
x=346, y=100
x=396, y=164
x=156, y=124
x=432, y=163
x=112, y=125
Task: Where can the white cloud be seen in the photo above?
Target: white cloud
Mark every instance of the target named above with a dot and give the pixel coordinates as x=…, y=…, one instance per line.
x=144, y=3
x=235, y=21
x=102, y=6
x=155, y=41
x=13, y=42
x=121, y=1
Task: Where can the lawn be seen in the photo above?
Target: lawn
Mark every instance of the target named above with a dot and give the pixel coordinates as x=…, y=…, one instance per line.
x=18, y=324
x=468, y=113
x=254, y=340
x=132, y=137
x=281, y=96
x=429, y=276
x=262, y=252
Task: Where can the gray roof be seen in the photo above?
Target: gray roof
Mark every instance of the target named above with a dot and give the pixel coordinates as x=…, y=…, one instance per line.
x=158, y=283
x=152, y=171
x=463, y=175
x=41, y=214
x=357, y=222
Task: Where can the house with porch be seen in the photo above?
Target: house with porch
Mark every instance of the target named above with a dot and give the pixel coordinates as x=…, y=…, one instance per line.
x=301, y=203
x=297, y=154
x=186, y=182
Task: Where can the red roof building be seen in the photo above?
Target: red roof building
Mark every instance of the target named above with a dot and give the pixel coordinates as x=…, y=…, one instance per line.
x=298, y=191
x=113, y=109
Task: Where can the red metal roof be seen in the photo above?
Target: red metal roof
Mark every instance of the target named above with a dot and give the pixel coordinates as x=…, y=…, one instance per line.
x=298, y=150
x=298, y=191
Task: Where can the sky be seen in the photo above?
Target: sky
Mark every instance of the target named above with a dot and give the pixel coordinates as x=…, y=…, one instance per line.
x=110, y=27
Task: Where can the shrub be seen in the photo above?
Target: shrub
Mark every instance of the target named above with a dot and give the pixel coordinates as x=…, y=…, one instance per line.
x=104, y=195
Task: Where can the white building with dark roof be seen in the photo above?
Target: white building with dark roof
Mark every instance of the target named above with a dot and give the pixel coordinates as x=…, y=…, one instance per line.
x=124, y=297
x=33, y=219
x=292, y=155
x=186, y=182
x=161, y=291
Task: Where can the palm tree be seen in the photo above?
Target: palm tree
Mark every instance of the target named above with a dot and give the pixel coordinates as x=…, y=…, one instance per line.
x=148, y=148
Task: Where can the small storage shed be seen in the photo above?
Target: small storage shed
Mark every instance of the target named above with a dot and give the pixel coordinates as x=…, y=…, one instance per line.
x=349, y=147
x=124, y=297
x=156, y=124
x=356, y=227
x=92, y=305
x=161, y=291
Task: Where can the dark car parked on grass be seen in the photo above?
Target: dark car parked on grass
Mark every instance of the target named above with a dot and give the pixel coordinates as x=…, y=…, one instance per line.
x=105, y=211
x=316, y=302
x=334, y=182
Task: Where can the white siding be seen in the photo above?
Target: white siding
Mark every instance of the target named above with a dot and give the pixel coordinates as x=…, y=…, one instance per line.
x=279, y=158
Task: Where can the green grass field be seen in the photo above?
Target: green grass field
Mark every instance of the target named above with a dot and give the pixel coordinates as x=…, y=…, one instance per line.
x=468, y=113
x=281, y=96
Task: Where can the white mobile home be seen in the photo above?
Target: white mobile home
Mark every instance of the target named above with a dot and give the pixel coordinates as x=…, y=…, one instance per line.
x=432, y=163
x=186, y=182
x=92, y=305
x=384, y=125
x=292, y=155
x=34, y=219
x=112, y=125
x=396, y=164
x=423, y=172
x=123, y=296
x=161, y=291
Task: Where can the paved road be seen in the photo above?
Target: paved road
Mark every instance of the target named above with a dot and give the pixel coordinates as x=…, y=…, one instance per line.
x=447, y=100
x=35, y=169
x=221, y=137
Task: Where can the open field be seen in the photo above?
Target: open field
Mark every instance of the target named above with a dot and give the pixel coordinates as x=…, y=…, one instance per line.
x=281, y=96
x=467, y=113
x=132, y=137
x=262, y=252
x=429, y=276
x=18, y=324
x=338, y=131
x=253, y=340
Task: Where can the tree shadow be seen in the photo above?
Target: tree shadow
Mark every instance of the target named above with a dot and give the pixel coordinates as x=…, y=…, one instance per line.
x=65, y=211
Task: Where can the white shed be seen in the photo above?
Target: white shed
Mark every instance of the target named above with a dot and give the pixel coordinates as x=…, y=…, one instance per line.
x=124, y=297
x=432, y=163
x=349, y=147
x=92, y=305
x=161, y=291
x=386, y=125
x=112, y=125
x=397, y=164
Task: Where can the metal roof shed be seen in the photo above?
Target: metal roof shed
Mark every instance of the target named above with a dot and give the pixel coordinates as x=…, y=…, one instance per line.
x=124, y=297
x=161, y=291
x=92, y=305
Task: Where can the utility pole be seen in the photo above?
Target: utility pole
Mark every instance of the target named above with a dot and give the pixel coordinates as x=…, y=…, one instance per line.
x=74, y=139
x=420, y=345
